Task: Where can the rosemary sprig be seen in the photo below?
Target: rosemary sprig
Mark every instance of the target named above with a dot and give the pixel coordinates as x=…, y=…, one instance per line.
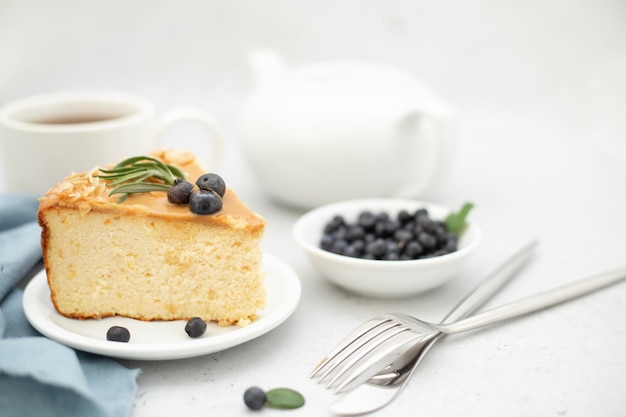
x=140, y=174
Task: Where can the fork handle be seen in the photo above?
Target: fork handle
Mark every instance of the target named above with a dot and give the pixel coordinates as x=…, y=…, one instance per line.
x=537, y=302
x=491, y=284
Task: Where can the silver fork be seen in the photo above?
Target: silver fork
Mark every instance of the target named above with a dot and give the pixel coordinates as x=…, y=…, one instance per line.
x=372, y=335
x=351, y=377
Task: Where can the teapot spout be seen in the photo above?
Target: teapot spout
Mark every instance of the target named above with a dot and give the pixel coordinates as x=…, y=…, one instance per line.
x=267, y=67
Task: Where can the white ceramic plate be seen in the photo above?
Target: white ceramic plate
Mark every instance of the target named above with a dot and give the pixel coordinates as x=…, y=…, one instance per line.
x=159, y=340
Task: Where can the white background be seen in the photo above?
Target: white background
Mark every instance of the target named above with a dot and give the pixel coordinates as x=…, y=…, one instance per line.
x=541, y=90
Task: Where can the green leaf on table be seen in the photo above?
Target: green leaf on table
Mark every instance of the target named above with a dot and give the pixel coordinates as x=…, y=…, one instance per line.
x=456, y=222
x=284, y=398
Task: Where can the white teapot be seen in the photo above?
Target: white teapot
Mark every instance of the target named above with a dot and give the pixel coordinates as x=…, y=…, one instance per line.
x=340, y=130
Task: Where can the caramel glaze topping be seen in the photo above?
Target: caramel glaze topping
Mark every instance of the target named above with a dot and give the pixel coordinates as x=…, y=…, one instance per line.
x=86, y=191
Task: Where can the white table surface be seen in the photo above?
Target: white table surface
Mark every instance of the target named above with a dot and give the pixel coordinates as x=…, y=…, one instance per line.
x=541, y=89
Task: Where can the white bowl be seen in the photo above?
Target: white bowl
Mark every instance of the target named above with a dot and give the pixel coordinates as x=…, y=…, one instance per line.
x=381, y=278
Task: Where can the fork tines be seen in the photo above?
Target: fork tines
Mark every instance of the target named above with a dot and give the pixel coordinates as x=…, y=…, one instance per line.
x=370, y=343
x=362, y=367
x=354, y=340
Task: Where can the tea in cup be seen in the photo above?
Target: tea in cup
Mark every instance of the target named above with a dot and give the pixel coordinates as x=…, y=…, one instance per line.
x=45, y=138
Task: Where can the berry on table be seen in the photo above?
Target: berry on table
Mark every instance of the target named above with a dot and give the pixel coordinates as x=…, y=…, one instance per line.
x=254, y=398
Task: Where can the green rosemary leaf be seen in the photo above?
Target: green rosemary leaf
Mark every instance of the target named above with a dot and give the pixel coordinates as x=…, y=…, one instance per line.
x=118, y=172
x=177, y=172
x=139, y=187
x=115, y=171
x=135, y=176
x=133, y=160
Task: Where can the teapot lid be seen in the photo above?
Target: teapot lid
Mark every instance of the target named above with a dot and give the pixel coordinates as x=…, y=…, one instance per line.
x=350, y=75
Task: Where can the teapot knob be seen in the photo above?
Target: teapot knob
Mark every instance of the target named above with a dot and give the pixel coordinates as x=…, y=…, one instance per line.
x=267, y=66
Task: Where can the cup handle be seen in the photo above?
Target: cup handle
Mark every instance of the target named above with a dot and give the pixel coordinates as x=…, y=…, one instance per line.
x=195, y=115
x=443, y=125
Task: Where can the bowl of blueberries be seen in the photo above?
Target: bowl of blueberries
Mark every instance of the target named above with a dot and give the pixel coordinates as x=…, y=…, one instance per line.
x=386, y=247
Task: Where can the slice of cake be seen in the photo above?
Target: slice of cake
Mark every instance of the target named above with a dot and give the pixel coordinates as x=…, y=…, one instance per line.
x=147, y=258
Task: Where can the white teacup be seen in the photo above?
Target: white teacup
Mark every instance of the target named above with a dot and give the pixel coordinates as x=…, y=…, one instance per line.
x=333, y=131
x=45, y=138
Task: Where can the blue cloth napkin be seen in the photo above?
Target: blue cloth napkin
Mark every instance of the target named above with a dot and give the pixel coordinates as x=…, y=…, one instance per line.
x=40, y=377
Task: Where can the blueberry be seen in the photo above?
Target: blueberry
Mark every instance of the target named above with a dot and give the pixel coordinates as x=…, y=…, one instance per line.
x=421, y=212
x=212, y=182
x=413, y=249
x=339, y=246
x=427, y=224
x=392, y=256
x=205, y=202
x=340, y=233
x=391, y=227
x=428, y=241
x=327, y=242
x=335, y=224
x=404, y=217
x=352, y=251
x=355, y=232
x=442, y=236
x=392, y=250
x=380, y=228
x=255, y=398
x=410, y=225
x=118, y=334
x=383, y=216
x=367, y=220
x=180, y=192
x=358, y=245
x=195, y=327
x=451, y=245
x=402, y=235
x=451, y=238
x=376, y=248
